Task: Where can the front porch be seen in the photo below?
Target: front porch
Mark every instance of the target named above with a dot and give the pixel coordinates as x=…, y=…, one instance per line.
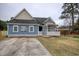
x=52, y=33
x=48, y=30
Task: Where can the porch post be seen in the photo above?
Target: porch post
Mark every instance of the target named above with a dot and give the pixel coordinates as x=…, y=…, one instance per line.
x=38, y=30
x=47, y=28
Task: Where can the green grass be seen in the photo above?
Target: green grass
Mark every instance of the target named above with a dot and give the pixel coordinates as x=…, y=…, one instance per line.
x=61, y=46
x=77, y=36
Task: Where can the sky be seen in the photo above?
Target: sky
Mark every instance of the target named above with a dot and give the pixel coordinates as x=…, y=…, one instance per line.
x=53, y=10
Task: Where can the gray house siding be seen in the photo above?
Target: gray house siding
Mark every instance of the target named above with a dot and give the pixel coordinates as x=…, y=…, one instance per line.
x=10, y=30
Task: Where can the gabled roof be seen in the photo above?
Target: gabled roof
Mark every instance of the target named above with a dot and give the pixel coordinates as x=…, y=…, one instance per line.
x=49, y=20
x=40, y=20
x=33, y=20
x=23, y=14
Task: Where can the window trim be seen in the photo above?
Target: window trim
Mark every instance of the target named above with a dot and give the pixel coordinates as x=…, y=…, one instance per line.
x=30, y=27
x=15, y=26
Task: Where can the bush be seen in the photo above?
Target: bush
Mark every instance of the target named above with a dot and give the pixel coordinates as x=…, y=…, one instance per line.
x=64, y=32
x=3, y=25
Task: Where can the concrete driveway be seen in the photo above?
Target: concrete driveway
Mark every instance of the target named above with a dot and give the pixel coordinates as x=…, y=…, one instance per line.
x=22, y=47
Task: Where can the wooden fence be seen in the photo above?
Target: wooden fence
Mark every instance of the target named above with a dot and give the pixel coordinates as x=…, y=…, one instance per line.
x=4, y=33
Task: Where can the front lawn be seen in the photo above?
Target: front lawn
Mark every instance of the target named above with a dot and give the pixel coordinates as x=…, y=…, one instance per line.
x=76, y=36
x=61, y=46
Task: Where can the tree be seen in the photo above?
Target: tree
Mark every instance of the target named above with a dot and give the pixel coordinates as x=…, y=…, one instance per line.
x=66, y=18
x=3, y=25
x=69, y=11
x=76, y=28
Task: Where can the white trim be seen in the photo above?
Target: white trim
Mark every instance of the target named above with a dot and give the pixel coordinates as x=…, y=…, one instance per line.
x=30, y=27
x=54, y=33
x=22, y=24
x=38, y=29
x=40, y=32
x=47, y=28
x=17, y=28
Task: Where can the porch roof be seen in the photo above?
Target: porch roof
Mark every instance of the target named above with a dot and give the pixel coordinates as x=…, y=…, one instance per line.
x=35, y=20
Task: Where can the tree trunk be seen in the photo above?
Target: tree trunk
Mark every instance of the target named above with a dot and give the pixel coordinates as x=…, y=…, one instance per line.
x=72, y=15
x=72, y=22
x=78, y=17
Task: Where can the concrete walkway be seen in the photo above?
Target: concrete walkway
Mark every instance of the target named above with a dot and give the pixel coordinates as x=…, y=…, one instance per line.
x=22, y=47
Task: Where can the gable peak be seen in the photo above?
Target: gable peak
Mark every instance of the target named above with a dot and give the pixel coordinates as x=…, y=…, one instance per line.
x=23, y=14
x=24, y=9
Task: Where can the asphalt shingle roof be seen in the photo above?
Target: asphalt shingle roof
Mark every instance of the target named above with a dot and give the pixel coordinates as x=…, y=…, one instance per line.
x=36, y=20
x=22, y=21
x=40, y=20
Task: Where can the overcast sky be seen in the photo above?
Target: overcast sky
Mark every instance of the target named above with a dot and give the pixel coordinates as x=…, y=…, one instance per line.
x=36, y=10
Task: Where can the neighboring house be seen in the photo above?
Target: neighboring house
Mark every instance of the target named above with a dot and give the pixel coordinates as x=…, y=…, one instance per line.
x=23, y=24
x=64, y=30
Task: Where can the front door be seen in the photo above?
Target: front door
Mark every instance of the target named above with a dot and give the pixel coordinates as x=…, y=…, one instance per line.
x=40, y=30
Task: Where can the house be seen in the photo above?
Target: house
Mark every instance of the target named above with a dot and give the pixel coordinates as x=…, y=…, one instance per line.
x=64, y=30
x=23, y=24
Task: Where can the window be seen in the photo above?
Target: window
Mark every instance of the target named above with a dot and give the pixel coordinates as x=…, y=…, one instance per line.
x=23, y=28
x=31, y=28
x=15, y=28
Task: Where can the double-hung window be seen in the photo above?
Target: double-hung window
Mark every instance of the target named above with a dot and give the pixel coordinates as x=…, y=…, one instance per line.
x=31, y=28
x=15, y=28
